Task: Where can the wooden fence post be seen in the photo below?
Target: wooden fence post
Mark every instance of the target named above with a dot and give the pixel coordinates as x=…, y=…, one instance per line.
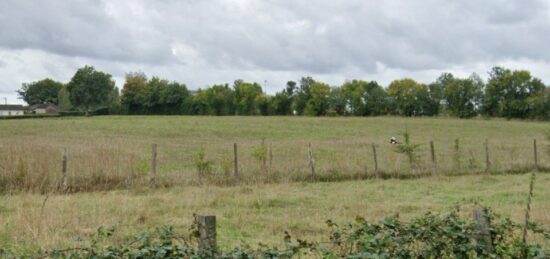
x=65, y=180
x=375, y=159
x=432, y=150
x=487, y=160
x=236, y=163
x=264, y=158
x=311, y=162
x=457, y=155
x=207, y=235
x=482, y=232
x=154, y=166
x=270, y=155
x=535, y=153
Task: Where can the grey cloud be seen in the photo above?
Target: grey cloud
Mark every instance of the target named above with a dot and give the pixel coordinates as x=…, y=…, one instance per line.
x=243, y=37
x=74, y=28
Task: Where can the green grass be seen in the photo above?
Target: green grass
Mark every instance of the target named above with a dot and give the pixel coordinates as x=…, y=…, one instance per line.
x=258, y=213
x=109, y=167
x=114, y=152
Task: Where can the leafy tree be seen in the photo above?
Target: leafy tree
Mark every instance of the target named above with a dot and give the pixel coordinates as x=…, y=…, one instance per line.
x=172, y=97
x=43, y=91
x=90, y=88
x=200, y=105
x=540, y=105
x=133, y=93
x=265, y=104
x=282, y=104
x=411, y=98
x=303, y=94
x=378, y=101
x=282, y=101
x=246, y=97
x=337, y=102
x=64, y=100
x=464, y=96
x=354, y=93
x=154, y=96
x=216, y=100
x=507, y=93
x=318, y=104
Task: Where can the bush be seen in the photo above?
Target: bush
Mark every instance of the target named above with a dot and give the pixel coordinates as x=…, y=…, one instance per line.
x=204, y=166
x=28, y=116
x=428, y=236
x=72, y=113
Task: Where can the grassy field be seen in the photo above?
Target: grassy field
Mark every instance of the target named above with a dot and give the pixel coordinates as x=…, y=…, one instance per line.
x=257, y=213
x=114, y=152
x=109, y=169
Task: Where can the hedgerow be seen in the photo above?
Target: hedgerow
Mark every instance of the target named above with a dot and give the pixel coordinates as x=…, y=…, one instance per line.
x=433, y=235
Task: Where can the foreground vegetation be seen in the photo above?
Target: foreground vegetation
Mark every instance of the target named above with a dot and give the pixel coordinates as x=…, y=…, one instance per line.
x=259, y=213
x=114, y=152
x=429, y=236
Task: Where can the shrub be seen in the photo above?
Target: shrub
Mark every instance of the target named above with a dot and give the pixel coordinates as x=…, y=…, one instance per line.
x=204, y=166
x=408, y=149
x=428, y=236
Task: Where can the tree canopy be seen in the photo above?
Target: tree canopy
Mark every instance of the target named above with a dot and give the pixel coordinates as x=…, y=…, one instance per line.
x=507, y=93
x=43, y=91
x=90, y=88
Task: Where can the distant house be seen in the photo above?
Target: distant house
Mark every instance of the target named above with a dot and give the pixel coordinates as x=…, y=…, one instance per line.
x=45, y=108
x=11, y=110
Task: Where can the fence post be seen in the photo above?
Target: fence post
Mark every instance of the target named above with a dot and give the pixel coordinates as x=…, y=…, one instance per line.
x=457, y=155
x=264, y=151
x=65, y=181
x=311, y=162
x=270, y=155
x=154, y=166
x=482, y=232
x=375, y=160
x=432, y=150
x=535, y=153
x=207, y=235
x=487, y=161
x=236, y=163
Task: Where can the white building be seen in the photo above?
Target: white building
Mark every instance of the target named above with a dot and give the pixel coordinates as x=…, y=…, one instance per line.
x=11, y=110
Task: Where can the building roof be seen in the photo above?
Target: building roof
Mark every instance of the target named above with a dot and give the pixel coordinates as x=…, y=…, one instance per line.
x=11, y=107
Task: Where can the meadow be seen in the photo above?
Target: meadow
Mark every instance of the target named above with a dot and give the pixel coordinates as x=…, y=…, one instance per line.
x=114, y=152
x=257, y=213
x=109, y=164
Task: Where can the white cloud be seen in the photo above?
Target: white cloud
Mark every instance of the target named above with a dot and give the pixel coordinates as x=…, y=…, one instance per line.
x=200, y=42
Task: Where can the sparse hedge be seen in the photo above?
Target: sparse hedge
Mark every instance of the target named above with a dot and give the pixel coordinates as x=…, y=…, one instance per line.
x=428, y=236
x=28, y=116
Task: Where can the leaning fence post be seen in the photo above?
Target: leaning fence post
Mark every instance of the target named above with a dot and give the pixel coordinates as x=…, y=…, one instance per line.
x=311, y=162
x=535, y=153
x=236, y=163
x=207, y=235
x=432, y=150
x=375, y=160
x=487, y=161
x=154, y=166
x=65, y=181
x=482, y=232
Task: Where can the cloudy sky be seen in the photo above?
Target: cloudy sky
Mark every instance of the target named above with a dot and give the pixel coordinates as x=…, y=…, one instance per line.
x=202, y=42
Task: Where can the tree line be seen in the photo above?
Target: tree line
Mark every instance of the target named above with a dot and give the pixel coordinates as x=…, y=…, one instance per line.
x=507, y=93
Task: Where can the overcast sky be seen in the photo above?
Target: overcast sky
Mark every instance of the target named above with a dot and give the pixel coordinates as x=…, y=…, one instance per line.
x=202, y=42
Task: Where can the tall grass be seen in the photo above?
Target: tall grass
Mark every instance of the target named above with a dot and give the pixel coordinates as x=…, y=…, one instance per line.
x=115, y=152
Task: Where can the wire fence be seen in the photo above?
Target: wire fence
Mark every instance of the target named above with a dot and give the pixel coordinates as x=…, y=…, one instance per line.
x=117, y=164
